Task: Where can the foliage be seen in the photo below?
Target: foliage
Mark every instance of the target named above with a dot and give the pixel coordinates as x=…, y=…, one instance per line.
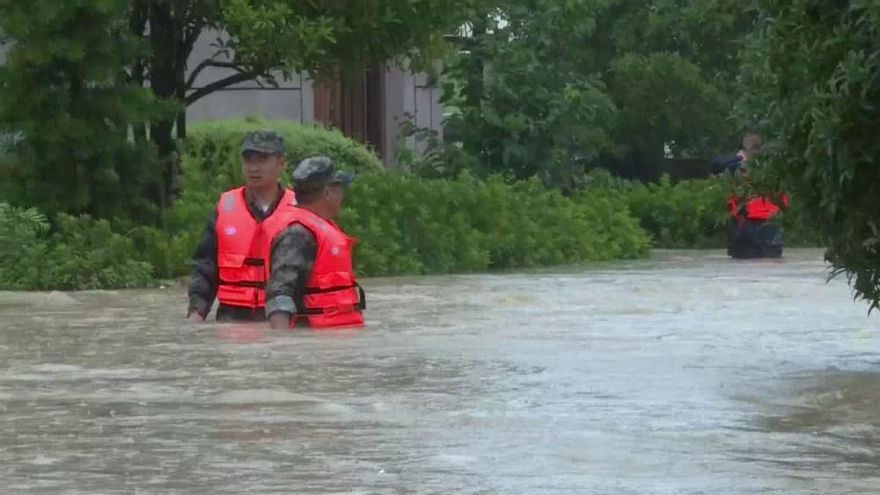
x=410, y=225
x=65, y=107
x=82, y=253
x=672, y=74
x=543, y=88
x=213, y=149
x=270, y=39
x=19, y=230
x=97, y=88
x=812, y=77
x=406, y=224
x=326, y=36
x=529, y=97
x=665, y=105
x=687, y=214
x=690, y=214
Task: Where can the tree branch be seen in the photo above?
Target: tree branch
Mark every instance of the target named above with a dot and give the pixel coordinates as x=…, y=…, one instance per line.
x=209, y=63
x=220, y=84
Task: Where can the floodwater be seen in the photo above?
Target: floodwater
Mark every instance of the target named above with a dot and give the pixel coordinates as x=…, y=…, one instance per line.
x=684, y=374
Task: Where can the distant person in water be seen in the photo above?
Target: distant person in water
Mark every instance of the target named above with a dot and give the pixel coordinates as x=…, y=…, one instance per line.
x=230, y=261
x=750, y=231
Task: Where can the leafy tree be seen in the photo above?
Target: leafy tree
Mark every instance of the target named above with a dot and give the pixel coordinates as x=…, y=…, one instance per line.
x=261, y=39
x=812, y=78
x=527, y=88
x=671, y=68
x=73, y=89
x=545, y=86
x=65, y=107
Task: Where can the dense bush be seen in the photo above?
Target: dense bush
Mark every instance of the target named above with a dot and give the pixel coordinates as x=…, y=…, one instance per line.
x=690, y=214
x=812, y=78
x=412, y=225
x=81, y=253
x=687, y=214
x=212, y=150
x=20, y=231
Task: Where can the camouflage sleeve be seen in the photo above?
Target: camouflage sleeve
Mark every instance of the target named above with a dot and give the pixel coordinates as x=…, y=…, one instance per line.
x=203, y=286
x=291, y=258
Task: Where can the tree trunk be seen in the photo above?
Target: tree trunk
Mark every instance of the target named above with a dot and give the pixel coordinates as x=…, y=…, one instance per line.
x=137, y=25
x=162, y=40
x=473, y=85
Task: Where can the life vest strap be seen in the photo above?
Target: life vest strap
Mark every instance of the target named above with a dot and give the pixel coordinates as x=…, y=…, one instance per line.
x=345, y=308
x=244, y=283
x=326, y=290
x=360, y=306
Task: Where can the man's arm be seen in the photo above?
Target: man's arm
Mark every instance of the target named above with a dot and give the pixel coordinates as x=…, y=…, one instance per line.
x=203, y=287
x=722, y=164
x=291, y=259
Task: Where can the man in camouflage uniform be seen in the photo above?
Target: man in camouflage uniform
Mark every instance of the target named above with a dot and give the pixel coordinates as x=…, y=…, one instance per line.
x=263, y=162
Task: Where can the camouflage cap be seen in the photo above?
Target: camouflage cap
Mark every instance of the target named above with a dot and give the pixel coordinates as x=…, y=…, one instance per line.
x=317, y=172
x=264, y=142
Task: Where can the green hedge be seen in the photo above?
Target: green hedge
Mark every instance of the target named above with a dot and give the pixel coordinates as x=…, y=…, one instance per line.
x=686, y=214
x=409, y=225
x=406, y=224
x=81, y=253
x=212, y=151
x=690, y=214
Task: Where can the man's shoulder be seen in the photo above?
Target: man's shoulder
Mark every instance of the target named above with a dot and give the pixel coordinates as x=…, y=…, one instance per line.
x=297, y=232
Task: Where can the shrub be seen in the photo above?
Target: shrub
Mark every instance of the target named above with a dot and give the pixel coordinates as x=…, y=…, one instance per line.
x=410, y=225
x=82, y=253
x=690, y=214
x=686, y=214
x=212, y=151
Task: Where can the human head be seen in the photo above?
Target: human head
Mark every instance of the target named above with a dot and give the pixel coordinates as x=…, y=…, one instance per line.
x=320, y=186
x=262, y=159
x=752, y=144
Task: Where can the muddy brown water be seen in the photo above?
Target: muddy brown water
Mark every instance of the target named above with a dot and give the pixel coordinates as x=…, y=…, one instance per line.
x=686, y=373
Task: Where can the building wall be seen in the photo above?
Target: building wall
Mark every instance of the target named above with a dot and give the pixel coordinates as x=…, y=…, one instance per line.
x=403, y=97
x=292, y=100
x=409, y=97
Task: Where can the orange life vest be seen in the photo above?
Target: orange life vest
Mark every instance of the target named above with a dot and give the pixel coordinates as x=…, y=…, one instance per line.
x=333, y=298
x=242, y=247
x=758, y=208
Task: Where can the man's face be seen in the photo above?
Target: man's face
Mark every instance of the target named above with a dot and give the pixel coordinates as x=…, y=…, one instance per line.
x=334, y=195
x=261, y=169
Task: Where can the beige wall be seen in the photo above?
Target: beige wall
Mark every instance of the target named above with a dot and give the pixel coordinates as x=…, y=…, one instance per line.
x=406, y=96
x=292, y=100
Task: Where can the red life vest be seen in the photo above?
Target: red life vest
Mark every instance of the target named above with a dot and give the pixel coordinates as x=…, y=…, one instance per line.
x=242, y=245
x=757, y=208
x=333, y=298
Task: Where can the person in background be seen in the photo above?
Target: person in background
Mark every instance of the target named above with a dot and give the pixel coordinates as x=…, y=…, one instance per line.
x=311, y=275
x=230, y=262
x=750, y=233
